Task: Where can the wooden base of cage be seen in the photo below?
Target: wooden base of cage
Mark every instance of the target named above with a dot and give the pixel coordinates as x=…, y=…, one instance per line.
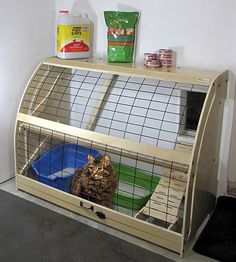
x=136, y=227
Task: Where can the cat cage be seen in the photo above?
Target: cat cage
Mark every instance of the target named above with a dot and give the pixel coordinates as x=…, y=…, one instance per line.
x=161, y=129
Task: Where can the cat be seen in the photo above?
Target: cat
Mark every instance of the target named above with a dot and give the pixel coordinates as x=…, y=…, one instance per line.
x=96, y=181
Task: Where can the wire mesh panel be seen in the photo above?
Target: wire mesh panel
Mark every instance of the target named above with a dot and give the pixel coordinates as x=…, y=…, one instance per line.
x=143, y=188
x=148, y=111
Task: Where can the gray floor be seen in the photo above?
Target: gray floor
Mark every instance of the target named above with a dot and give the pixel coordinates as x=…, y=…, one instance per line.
x=189, y=255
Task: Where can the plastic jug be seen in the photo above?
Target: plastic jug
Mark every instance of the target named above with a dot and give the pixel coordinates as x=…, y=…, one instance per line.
x=73, y=35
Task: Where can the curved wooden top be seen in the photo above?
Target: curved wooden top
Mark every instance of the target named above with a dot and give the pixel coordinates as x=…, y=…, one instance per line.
x=184, y=75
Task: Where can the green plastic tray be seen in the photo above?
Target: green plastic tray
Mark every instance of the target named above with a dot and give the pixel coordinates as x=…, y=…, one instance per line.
x=134, y=178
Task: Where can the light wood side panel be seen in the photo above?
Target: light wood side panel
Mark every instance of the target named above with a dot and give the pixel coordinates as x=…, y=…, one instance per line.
x=202, y=183
x=138, y=228
x=191, y=76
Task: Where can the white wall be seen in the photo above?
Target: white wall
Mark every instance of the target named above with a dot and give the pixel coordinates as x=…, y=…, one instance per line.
x=27, y=36
x=202, y=33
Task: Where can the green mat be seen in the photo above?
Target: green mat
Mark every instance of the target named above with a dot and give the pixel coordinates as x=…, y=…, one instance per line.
x=138, y=181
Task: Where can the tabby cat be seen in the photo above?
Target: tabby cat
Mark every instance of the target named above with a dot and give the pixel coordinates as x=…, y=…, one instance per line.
x=96, y=181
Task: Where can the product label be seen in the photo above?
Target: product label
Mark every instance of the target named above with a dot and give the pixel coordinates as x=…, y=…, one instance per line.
x=121, y=36
x=73, y=38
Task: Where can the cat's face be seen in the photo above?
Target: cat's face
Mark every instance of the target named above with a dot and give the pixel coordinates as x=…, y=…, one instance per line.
x=97, y=167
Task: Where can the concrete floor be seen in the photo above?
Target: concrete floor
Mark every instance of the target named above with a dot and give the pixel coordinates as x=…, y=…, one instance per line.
x=190, y=255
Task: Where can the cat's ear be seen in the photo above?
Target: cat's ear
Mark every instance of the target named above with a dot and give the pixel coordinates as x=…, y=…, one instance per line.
x=90, y=159
x=106, y=160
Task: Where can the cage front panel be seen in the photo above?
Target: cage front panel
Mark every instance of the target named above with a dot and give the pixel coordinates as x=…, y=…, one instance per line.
x=145, y=190
x=148, y=111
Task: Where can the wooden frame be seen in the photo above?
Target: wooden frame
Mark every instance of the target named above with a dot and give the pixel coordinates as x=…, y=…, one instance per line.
x=200, y=165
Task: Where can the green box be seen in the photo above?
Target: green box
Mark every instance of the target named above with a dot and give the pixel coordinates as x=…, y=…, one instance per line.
x=136, y=179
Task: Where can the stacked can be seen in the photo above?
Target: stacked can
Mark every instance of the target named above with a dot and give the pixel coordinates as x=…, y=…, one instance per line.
x=165, y=57
x=151, y=60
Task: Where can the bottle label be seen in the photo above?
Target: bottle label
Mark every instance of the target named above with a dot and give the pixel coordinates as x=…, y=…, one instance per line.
x=73, y=38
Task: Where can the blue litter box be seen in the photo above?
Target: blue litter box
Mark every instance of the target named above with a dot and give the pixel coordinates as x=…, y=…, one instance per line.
x=56, y=167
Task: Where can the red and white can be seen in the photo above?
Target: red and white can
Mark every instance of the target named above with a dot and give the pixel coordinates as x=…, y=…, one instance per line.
x=166, y=64
x=151, y=60
x=163, y=51
x=150, y=56
x=152, y=63
x=165, y=57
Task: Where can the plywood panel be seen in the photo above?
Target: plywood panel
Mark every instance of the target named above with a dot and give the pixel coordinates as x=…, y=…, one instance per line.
x=164, y=156
x=201, y=77
x=202, y=184
x=165, y=201
x=152, y=233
